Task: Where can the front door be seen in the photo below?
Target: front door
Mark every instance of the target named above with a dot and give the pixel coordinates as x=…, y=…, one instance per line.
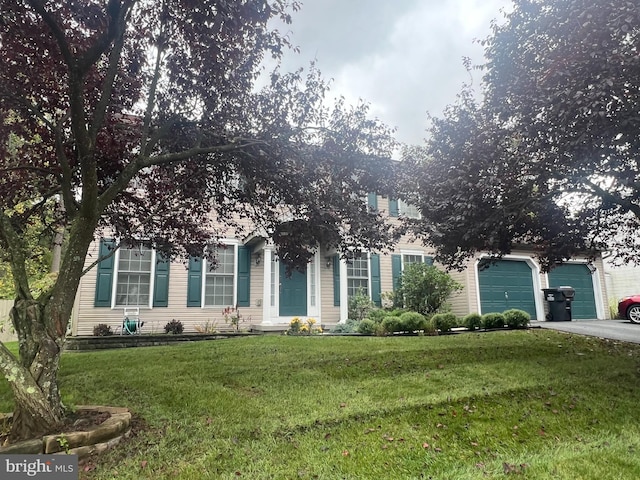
x=293, y=293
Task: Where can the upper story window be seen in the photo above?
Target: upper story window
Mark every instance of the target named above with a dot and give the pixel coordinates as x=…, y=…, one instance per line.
x=133, y=284
x=408, y=210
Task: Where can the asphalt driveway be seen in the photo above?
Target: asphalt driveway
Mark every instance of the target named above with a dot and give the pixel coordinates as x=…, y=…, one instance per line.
x=622, y=330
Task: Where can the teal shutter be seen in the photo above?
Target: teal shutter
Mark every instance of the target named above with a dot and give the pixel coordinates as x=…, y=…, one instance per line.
x=396, y=269
x=244, y=276
x=376, y=288
x=104, y=277
x=336, y=281
x=372, y=202
x=428, y=260
x=194, y=282
x=393, y=207
x=161, y=282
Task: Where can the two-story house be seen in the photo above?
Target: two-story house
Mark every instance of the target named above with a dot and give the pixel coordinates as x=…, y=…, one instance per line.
x=248, y=275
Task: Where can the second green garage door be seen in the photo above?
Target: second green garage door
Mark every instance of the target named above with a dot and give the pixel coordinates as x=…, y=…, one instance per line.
x=579, y=277
x=507, y=284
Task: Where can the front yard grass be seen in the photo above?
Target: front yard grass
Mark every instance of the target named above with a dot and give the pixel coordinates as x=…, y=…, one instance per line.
x=532, y=404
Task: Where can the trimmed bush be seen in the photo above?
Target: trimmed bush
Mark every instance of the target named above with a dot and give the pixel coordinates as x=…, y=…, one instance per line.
x=174, y=326
x=396, y=312
x=391, y=324
x=412, y=321
x=473, y=321
x=349, y=326
x=102, y=330
x=444, y=321
x=367, y=326
x=377, y=314
x=515, y=318
x=493, y=320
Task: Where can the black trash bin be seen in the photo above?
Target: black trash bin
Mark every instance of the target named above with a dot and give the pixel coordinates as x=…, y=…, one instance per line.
x=559, y=300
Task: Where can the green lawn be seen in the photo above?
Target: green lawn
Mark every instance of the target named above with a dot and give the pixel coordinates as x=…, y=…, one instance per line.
x=531, y=404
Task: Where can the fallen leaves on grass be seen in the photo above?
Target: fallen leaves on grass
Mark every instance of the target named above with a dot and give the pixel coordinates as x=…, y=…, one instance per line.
x=510, y=468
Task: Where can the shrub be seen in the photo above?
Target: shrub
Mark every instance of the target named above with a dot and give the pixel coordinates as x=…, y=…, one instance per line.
x=377, y=314
x=367, y=326
x=102, y=330
x=444, y=321
x=515, y=318
x=493, y=320
x=174, y=326
x=391, y=324
x=424, y=288
x=412, y=321
x=349, y=326
x=473, y=321
x=359, y=305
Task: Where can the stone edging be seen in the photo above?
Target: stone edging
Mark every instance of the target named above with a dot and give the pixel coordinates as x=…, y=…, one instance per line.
x=83, y=443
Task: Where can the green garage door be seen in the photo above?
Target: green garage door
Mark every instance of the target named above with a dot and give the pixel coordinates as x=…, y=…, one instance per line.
x=579, y=277
x=507, y=284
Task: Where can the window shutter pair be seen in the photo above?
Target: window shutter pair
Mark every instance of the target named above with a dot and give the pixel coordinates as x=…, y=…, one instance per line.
x=376, y=284
x=194, y=279
x=106, y=270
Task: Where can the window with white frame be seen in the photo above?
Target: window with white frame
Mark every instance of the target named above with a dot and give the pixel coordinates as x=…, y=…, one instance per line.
x=358, y=276
x=408, y=259
x=312, y=283
x=220, y=277
x=133, y=287
x=408, y=210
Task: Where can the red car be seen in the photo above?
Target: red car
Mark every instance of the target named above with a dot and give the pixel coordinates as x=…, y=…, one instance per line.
x=629, y=308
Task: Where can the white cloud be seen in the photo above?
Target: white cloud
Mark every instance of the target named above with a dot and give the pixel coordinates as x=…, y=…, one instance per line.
x=403, y=57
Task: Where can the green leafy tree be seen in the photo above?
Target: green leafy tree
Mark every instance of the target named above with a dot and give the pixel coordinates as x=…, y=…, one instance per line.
x=549, y=157
x=145, y=119
x=425, y=288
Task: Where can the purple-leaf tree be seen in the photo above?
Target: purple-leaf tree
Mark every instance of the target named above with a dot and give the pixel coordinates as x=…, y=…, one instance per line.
x=156, y=121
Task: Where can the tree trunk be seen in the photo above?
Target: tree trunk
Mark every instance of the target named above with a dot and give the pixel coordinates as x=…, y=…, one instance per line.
x=34, y=378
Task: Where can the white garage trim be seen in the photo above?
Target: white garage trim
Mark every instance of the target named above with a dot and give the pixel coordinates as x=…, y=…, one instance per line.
x=535, y=274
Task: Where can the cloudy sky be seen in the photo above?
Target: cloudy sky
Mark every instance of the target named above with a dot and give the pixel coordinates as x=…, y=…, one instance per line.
x=404, y=57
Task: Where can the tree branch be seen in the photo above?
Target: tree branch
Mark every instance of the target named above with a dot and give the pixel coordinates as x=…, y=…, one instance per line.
x=115, y=31
x=56, y=31
x=17, y=257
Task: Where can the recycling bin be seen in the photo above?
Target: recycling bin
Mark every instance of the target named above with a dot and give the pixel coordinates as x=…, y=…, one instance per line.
x=559, y=300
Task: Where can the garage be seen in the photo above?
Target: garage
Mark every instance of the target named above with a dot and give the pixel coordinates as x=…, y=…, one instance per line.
x=506, y=284
x=578, y=276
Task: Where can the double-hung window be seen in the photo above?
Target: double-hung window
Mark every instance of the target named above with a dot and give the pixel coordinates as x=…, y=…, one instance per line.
x=358, y=276
x=133, y=284
x=220, y=277
x=131, y=276
x=408, y=210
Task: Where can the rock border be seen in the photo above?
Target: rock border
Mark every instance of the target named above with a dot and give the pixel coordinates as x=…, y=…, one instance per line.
x=83, y=443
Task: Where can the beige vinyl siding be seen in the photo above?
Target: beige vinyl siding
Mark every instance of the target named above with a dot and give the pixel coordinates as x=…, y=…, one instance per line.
x=330, y=314
x=86, y=316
